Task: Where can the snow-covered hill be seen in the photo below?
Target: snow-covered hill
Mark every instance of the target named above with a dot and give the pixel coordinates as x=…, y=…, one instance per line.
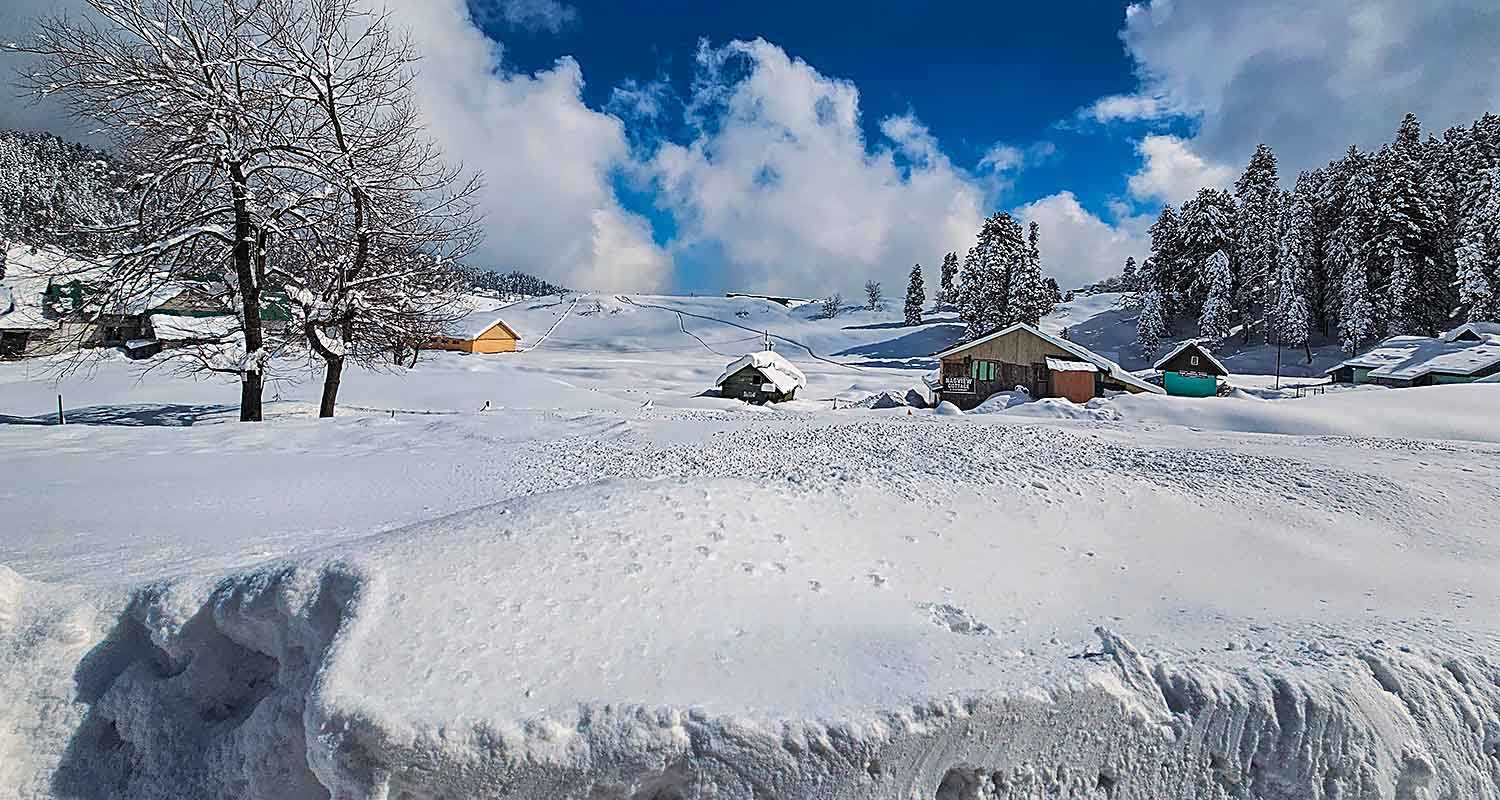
x=577, y=595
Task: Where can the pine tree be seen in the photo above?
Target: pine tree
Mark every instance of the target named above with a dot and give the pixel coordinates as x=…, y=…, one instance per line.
x=916, y=295
x=1152, y=323
x=1406, y=237
x=947, y=294
x=1479, y=251
x=1218, y=305
x=1290, y=319
x=1166, y=260
x=1129, y=280
x=1258, y=211
x=1207, y=226
x=1030, y=299
x=984, y=291
x=1357, y=328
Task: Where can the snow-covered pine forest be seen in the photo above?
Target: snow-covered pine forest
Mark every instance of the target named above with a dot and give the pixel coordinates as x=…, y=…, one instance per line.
x=1401, y=240
x=57, y=192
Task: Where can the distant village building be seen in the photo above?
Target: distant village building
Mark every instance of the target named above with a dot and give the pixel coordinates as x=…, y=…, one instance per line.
x=479, y=332
x=760, y=378
x=1191, y=371
x=1022, y=355
x=1463, y=355
x=1473, y=332
x=789, y=302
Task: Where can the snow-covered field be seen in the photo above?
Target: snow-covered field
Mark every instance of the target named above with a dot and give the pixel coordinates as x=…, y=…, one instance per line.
x=612, y=585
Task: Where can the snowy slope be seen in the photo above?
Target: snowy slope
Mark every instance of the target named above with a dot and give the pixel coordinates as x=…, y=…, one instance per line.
x=571, y=595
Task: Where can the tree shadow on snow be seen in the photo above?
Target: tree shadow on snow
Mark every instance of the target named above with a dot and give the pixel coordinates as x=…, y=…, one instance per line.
x=920, y=344
x=170, y=415
x=890, y=326
x=1111, y=334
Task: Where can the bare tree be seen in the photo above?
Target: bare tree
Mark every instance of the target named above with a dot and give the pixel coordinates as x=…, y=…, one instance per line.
x=833, y=305
x=178, y=86
x=378, y=273
x=874, y=298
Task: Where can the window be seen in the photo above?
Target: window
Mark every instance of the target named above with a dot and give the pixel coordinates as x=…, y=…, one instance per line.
x=1193, y=361
x=983, y=370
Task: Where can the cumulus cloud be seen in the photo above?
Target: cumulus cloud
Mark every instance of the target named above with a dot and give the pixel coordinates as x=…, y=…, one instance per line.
x=1171, y=172
x=1077, y=246
x=779, y=178
x=548, y=159
x=1310, y=78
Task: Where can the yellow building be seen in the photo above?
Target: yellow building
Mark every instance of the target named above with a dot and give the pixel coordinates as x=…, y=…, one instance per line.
x=480, y=332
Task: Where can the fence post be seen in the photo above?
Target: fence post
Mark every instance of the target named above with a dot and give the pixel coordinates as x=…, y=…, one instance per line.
x=61, y=420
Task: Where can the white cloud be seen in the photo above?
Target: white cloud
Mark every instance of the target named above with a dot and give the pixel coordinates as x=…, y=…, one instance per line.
x=1172, y=172
x=1002, y=158
x=780, y=179
x=548, y=159
x=531, y=15
x=1127, y=107
x=1078, y=247
x=1311, y=78
x=636, y=101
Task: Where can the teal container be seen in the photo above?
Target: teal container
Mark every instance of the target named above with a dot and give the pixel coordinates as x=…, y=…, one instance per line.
x=1179, y=385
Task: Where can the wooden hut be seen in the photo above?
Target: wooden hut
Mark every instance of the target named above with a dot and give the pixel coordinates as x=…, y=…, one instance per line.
x=479, y=332
x=1191, y=371
x=1021, y=355
x=761, y=378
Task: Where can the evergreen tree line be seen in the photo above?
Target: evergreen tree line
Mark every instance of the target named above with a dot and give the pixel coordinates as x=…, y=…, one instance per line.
x=514, y=282
x=1402, y=240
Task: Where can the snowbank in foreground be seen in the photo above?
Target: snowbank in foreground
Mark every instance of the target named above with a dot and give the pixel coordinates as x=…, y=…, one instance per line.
x=828, y=640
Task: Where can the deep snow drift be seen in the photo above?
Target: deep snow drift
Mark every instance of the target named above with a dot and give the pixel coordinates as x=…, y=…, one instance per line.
x=574, y=595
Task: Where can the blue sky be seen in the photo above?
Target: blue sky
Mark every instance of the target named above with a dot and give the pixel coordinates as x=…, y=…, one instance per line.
x=806, y=148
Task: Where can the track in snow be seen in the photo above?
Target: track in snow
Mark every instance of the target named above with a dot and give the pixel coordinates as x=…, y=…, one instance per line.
x=680, y=314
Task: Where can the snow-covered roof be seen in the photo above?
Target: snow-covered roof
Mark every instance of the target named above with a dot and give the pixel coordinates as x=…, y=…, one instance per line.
x=475, y=323
x=1480, y=329
x=16, y=316
x=780, y=372
x=1061, y=365
x=1106, y=366
x=1201, y=349
x=23, y=288
x=174, y=328
x=1411, y=357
